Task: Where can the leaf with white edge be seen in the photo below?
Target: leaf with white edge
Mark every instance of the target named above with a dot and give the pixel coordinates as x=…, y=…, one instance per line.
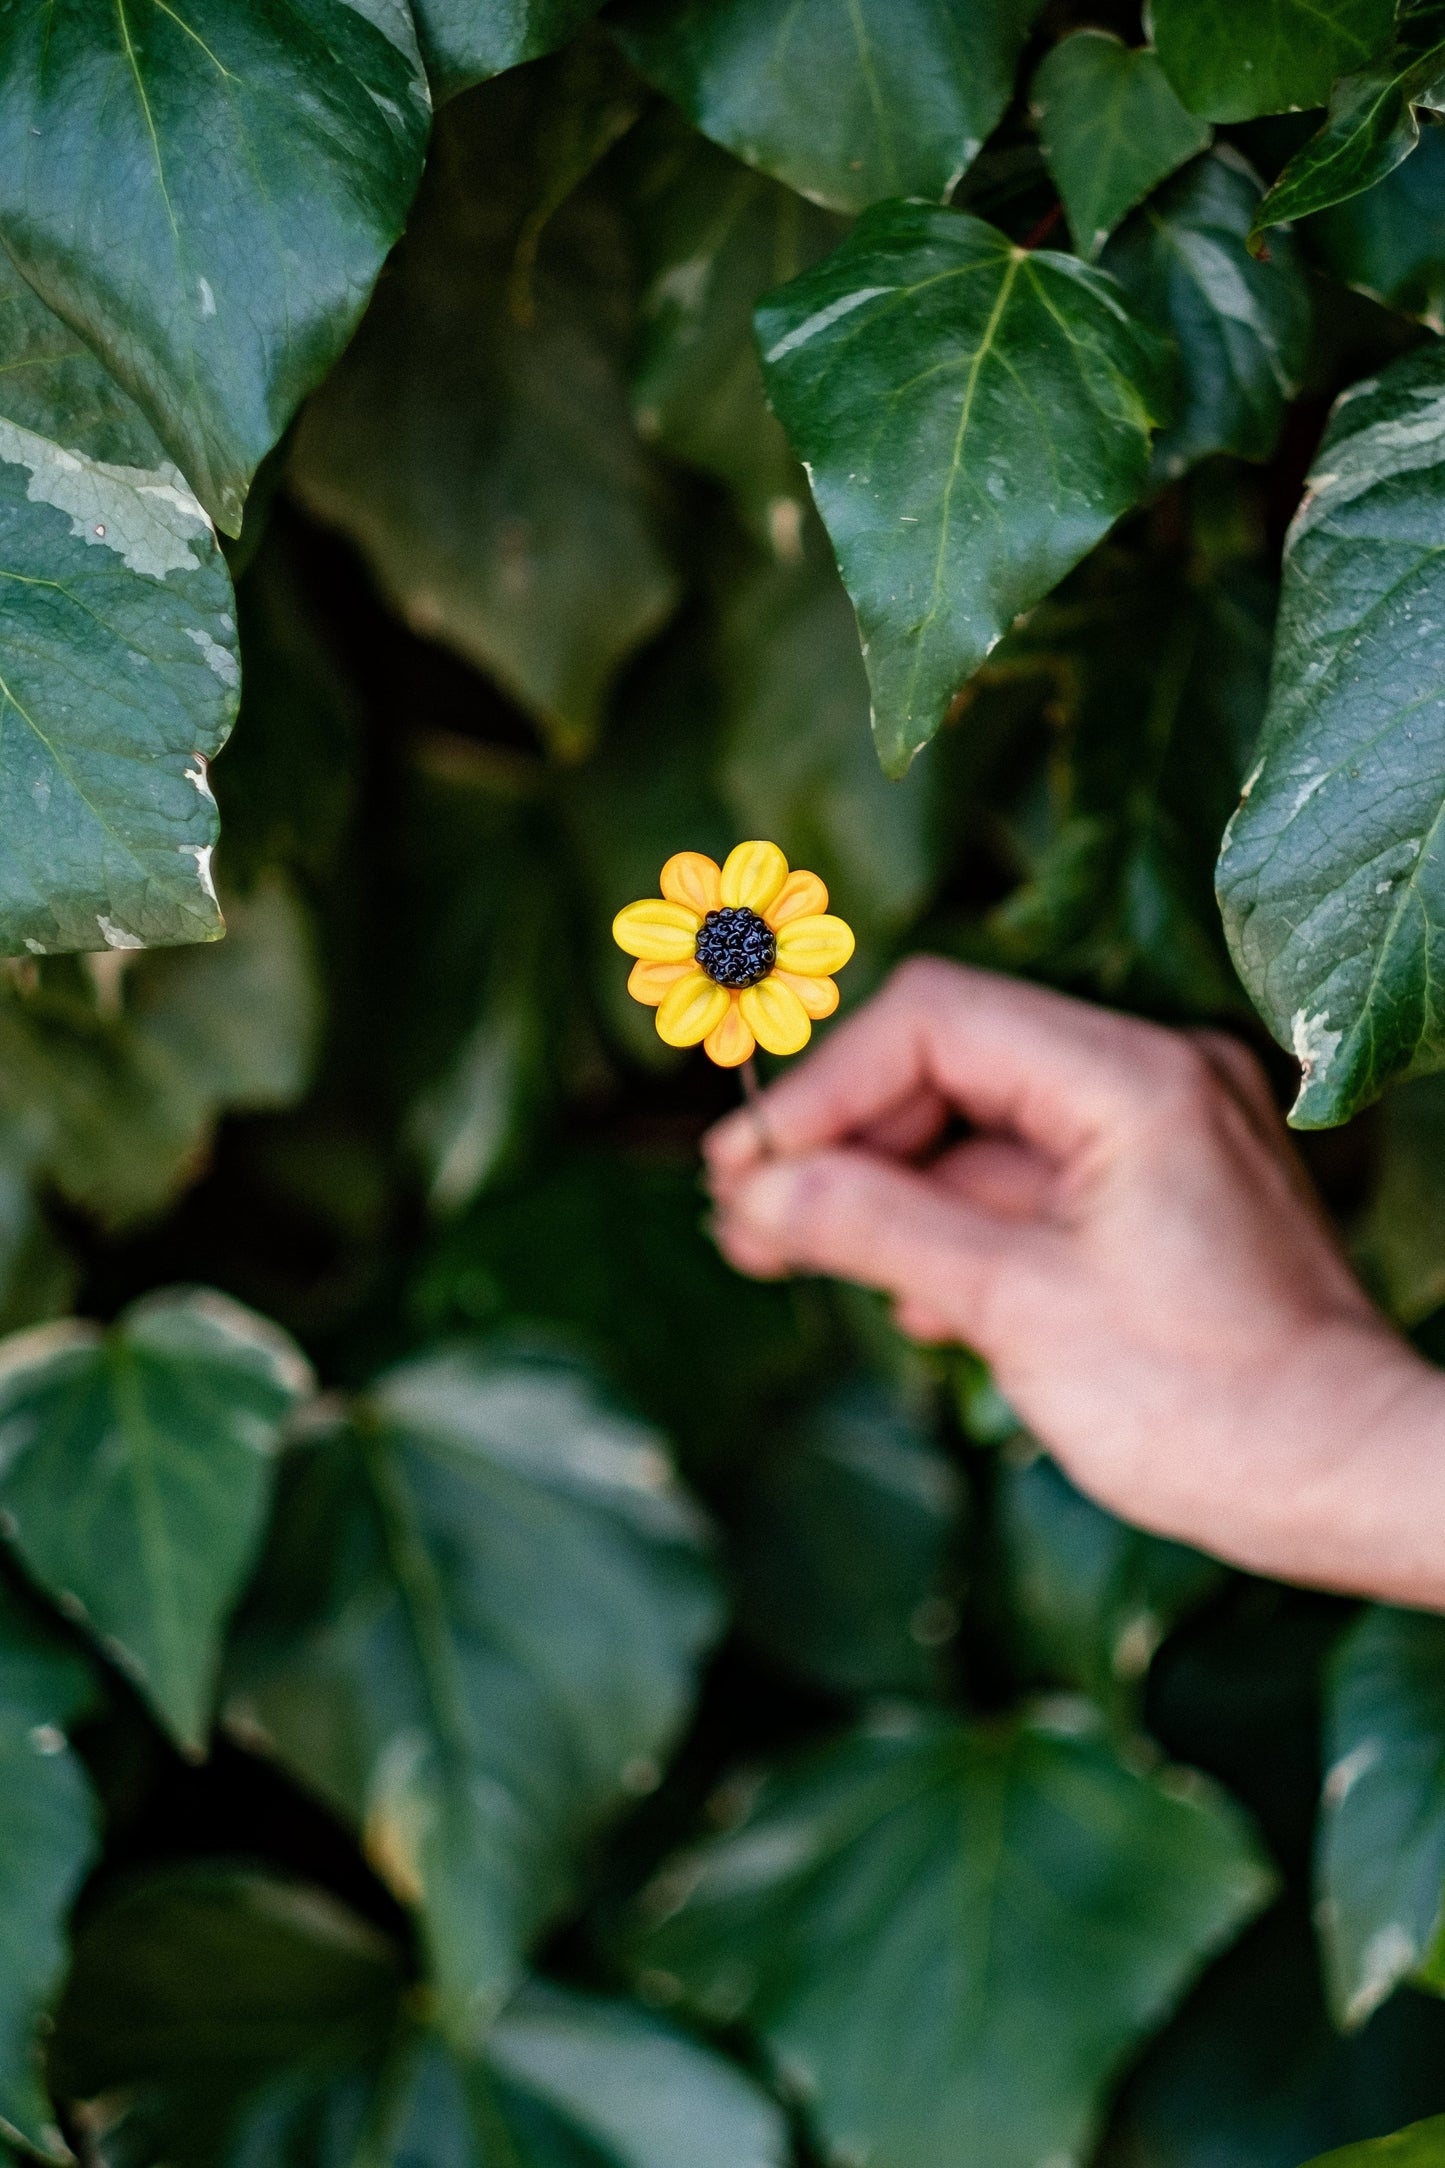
x=118, y=680
x=51, y=383
x=502, y=1646
x=647, y=2094
x=1421, y=2146
x=1373, y=124
x=465, y=41
x=135, y=1472
x=947, y=1940
x=1381, y=1867
x=1110, y=128
x=848, y=101
x=1332, y=877
x=1235, y=59
x=47, y=1841
x=248, y=164
x=973, y=417
x=1242, y=327
x=480, y=450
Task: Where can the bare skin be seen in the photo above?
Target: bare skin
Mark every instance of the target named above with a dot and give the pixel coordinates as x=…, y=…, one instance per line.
x=1127, y=1237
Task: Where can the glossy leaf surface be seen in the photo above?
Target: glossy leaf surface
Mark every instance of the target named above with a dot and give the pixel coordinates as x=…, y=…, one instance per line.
x=464, y=41
x=848, y=101
x=1382, y=1830
x=974, y=418
x=1331, y=875
x=516, y=1602
x=1242, y=327
x=134, y=1477
x=1111, y=129
x=1373, y=123
x=477, y=443
x=46, y=1843
x=947, y=1942
x=269, y=153
x=52, y=384
x=1390, y=241
x=1233, y=59
x=118, y=681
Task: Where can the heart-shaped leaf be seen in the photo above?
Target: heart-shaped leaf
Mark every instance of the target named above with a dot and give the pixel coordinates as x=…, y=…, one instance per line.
x=848, y=101
x=947, y=1941
x=974, y=417
x=465, y=41
x=1332, y=877
x=1233, y=59
x=250, y=162
x=516, y=1603
x=134, y=1477
x=1110, y=128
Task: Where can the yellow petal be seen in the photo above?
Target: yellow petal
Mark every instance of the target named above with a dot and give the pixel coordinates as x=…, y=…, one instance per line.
x=815, y=947
x=691, y=1009
x=775, y=1016
x=802, y=895
x=752, y=874
x=730, y=1043
x=648, y=983
x=818, y=996
x=691, y=879
x=662, y=932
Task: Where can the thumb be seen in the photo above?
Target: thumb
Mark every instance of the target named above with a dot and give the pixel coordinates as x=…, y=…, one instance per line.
x=854, y=1217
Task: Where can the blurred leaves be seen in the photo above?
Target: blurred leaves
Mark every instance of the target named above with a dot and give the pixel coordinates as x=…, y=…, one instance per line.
x=464, y=41
x=1233, y=59
x=1390, y=241
x=993, y=1919
x=848, y=101
x=1418, y=2147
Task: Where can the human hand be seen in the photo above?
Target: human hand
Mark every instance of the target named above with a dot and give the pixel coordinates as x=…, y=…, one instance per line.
x=1126, y=1236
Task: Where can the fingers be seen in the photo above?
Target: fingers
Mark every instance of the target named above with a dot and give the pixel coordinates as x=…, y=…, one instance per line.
x=1007, y=1055
x=1237, y=1069
x=997, y=1177
x=854, y=1217
x=909, y=1127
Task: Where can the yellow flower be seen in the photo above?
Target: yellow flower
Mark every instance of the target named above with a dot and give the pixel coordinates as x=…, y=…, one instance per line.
x=735, y=956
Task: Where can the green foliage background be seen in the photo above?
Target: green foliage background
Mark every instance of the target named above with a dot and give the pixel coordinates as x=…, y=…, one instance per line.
x=480, y=1685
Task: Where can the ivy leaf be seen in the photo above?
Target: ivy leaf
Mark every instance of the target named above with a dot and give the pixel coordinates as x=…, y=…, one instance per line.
x=1420, y=2146
x=1111, y=129
x=974, y=418
x=1234, y=59
x=1390, y=241
x=53, y=385
x=465, y=41
x=848, y=101
x=1382, y=1826
x=47, y=1841
x=1242, y=327
x=714, y=237
x=476, y=442
x=118, y=680
x=948, y=1941
x=505, y=1642
x=1332, y=878
x=1373, y=123
x=250, y=167
x=134, y=1477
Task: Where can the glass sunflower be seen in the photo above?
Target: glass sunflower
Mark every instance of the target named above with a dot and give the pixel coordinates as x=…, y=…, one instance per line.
x=735, y=956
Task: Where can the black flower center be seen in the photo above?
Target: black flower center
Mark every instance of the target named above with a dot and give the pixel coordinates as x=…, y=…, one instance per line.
x=736, y=947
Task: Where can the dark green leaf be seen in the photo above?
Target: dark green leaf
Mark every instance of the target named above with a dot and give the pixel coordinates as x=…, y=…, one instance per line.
x=1331, y=874
x=1232, y=59
x=1111, y=130
x=796, y=762
x=249, y=164
x=949, y=1940
x=464, y=41
x=1382, y=1830
x=51, y=383
x=1372, y=127
x=1093, y=1597
x=1421, y=2146
x=1390, y=242
x=974, y=418
x=516, y=1598
x=119, y=679
x=714, y=238
x=134, y=1478
x=1402, y=1243
x=848, y=101
x=1242, y=327
x=842, y=1542
x=477, y=443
